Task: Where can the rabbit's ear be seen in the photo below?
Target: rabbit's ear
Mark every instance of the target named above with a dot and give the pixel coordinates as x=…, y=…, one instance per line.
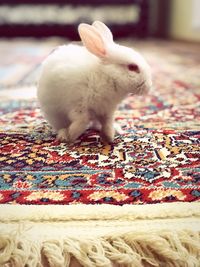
x=92, y=40
x=103, y=30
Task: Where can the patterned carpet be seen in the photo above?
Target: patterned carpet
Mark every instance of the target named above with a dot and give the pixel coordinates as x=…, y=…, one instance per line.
x=147, y=181
x=157, y=160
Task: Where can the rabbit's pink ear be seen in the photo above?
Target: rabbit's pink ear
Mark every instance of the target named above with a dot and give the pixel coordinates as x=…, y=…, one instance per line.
x=92, y=40
x=103, y=30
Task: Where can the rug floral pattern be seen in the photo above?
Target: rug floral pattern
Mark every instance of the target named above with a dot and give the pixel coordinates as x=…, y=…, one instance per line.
x=156, y=160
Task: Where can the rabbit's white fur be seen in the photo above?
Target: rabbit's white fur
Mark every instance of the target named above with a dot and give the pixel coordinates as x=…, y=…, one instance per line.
x=79, y=85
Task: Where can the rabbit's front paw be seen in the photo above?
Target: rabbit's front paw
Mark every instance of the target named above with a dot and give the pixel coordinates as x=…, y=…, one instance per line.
x=108, y=134
x=62, y=135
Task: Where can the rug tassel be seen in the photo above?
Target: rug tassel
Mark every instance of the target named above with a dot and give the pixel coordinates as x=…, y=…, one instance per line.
x=167, y=249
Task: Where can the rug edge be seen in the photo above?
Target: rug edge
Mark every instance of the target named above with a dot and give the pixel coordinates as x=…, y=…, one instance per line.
x=98, y=212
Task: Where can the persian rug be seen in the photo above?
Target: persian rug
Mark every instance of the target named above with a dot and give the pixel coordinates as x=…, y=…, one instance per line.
x=134, y=202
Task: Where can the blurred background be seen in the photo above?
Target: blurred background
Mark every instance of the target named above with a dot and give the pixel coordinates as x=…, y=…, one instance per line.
x=31, y=29
x=172, y=19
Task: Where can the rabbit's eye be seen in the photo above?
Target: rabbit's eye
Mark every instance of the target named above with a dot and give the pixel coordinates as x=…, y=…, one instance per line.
x=133, y=67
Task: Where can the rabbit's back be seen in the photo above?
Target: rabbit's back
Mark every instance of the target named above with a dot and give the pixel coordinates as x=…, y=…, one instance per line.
x=67, y=65
x=63, y=75
x=70, y=56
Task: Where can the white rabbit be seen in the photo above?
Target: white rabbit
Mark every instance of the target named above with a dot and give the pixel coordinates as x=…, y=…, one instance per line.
x=83, y=84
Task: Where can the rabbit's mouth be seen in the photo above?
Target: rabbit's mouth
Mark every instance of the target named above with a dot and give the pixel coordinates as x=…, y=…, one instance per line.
x=141, y=84
x=141, y=88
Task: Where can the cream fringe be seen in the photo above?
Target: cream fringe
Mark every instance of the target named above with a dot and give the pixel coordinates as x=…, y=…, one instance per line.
x=100, y=235
x=166, y=248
